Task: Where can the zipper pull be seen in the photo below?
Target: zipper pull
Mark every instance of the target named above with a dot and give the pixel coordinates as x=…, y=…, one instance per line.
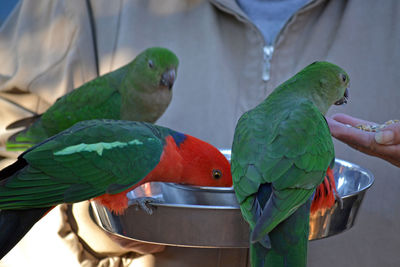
x=268, y=51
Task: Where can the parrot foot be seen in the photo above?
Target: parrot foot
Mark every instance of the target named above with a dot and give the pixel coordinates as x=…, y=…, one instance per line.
x=144, y=203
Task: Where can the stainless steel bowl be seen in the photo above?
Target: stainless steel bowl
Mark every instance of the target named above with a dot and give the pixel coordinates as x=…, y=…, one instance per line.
x=210, y=217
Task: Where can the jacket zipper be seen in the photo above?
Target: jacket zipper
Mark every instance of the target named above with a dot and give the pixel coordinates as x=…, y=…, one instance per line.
x=268, y=49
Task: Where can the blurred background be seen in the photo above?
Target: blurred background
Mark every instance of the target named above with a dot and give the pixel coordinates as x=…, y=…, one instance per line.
x=231, y=57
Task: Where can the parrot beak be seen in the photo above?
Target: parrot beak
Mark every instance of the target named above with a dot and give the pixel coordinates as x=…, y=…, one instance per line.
x=168, y=78
x=343, y=100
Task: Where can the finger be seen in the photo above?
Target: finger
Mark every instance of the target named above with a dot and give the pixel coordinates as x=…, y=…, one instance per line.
x=334, y=126
x=346, y=119
x=389, y=135
x=388, y=153
x=349, y=134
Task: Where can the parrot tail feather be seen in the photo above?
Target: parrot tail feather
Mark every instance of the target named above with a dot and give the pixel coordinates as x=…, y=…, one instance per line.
x=25, y=122
x=289, y=242
x=14, y=224
x=257, y=252
x=325, y=194
x=26, y=138
x=13, y=144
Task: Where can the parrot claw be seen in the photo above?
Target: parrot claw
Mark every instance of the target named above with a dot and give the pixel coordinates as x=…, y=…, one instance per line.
x=144, y=203
x=339, y=200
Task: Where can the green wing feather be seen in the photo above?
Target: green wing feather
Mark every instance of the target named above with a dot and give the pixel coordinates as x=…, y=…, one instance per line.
x=98, y=98
x=90, y=159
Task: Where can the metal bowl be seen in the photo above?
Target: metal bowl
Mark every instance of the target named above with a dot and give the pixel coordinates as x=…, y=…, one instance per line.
x=210, y=217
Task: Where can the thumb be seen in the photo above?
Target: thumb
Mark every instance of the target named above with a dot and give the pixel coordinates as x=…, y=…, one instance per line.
x=389, y=135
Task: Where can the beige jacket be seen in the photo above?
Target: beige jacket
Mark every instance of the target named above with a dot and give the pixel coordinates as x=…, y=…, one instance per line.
x=48, y=48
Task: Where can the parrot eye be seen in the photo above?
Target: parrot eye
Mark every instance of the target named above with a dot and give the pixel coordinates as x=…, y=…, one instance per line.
x=151, y=64
x=217, y=174
x=344, y=77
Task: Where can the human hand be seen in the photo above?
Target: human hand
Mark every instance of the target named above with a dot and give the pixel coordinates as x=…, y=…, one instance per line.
x=385, y=143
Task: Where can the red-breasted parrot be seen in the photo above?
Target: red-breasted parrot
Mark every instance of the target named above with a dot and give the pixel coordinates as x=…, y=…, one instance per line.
x=280, y=154
x=138, y=91
x=100, y=160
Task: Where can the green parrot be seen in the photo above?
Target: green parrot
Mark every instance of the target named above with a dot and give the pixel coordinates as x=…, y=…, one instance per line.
x=280, y=154
x=100, y=160
x=138, y=91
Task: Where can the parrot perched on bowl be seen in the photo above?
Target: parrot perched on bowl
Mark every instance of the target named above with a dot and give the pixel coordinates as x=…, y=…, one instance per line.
x=138, y=91
x=280, y=154
x=100, y=160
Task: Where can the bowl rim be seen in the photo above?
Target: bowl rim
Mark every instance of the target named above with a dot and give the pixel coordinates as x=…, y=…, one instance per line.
x=363, y=170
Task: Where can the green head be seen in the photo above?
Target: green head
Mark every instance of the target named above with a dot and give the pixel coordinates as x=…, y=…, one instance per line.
x=153, y=69
x=326, y=83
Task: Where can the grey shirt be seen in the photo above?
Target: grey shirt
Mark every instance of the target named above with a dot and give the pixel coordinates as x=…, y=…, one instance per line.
x=270, y=15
